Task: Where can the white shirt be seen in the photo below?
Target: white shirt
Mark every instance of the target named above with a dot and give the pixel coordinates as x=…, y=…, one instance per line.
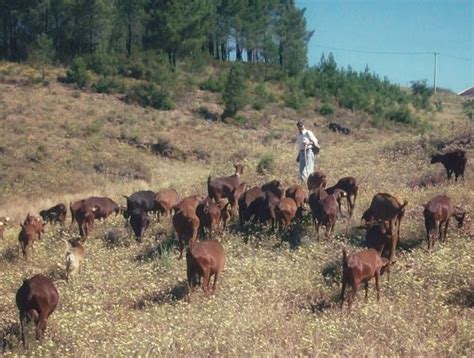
x=305, y=138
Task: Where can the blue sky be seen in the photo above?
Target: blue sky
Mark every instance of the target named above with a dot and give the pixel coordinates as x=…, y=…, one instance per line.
x=442, y=26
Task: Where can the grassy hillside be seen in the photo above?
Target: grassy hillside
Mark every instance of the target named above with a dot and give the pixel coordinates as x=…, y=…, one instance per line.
x=279, y=292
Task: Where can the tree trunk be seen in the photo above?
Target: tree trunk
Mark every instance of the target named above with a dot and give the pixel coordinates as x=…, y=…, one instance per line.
x=250, y=55
x=129, y=36
x=216, y=56
x=238, y=52
x=223, y=51
x=280, y=53
x=210, y=46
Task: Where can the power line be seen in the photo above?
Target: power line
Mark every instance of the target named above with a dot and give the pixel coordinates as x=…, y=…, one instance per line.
x=406, y=53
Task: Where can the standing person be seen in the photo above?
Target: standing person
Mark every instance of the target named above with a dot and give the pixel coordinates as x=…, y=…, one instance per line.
x=307, y=146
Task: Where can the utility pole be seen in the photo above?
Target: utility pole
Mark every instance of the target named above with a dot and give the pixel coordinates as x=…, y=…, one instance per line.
x=435, y=70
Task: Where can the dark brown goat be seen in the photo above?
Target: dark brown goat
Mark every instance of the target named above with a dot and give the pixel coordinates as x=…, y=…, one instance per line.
x=186, y=222
x=204, y=259
x=209, y=215
x=316, y=180
x=438, y=211
x=103, y=207
x=85, y=219
x=324, y=210
x=55, y=214
x=252, y=202
x=36, y=299
x=454, y=162
x=385, y=207
x=361, y=267
x=165, y=200
x=350, y=187
x=224, y=187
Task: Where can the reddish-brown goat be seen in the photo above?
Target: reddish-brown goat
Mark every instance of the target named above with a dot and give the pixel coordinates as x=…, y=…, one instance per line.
x=438, y=211
x=361, y=267
x=36, y=299
x=285, y=212
x=324, y=210
x=166, y=200
x=35, y=222
x=298, y=193
x=209, y=215
x=27, y=238
x=186, y=222
x=204, y=259
x=224, y=187
x=350, y=187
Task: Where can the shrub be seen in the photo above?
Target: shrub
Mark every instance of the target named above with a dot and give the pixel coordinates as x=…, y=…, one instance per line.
x=400, y=115
x=234, y=91
x=109, y=85
x=296, y=100
x=266, y=165
x=150, y=95
x=326, y=109
x=77, y=73
x=262, y=97
x=421, y=94
x=103, y=62
x=213, y=84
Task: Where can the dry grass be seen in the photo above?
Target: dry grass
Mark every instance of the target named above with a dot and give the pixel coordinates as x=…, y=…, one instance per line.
x=279, y=293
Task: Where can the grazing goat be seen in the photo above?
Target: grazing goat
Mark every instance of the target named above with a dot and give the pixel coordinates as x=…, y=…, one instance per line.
x=85, y=219
x=336, y=127
x=385, y=207
x=36, y=299
x=139, y=221
x=361, y=267
x=166, y=200
x=204, y=259
x=75, y=253
x=324, y=210
x=186, y=222
x=298, y=193
x=286, y=210
x=144, y=199
x=224, y=187
x=316, y=180
x=209, y=215
x=438, y=211
x=454, y=162
x=350, y=187
x=55, y=214
x=101, y=207
x=3, y=223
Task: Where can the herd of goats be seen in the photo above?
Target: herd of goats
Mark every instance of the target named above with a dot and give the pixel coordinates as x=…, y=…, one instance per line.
x=199, y=216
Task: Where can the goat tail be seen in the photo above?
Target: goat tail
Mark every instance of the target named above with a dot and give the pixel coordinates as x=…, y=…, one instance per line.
x=209, y=186
x=344, y=258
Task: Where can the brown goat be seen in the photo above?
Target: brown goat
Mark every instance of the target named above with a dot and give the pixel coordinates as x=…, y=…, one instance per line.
x=350, y=187
x=103, y=207
x=186, y=222
x=224, y=187
x=286, y=211
x=35, y=222
x=438, y=211
x=166, y=200
x=36, y=299
x=27, y=238
x=324, y=210
x=209, y=215
x=316, y=180
x=226, y=212
x=454, y=162
x=361, y=267
x=385, y=207
x=298, y=193
x=204, y=259
x=85, y=219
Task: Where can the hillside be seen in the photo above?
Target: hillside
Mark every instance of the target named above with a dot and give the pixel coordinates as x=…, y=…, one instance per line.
x=279, y=292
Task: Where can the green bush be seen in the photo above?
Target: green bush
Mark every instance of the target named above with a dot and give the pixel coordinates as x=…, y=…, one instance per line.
x=213, y=84
x=266, y=165
x=109, y=85
x=103, y=62
x=296, y=100
x=77, y=73
x=400, y=115
x=421, y=94
x=234, y=91
x=150, y=95
x=262, y=97
x=326, y=109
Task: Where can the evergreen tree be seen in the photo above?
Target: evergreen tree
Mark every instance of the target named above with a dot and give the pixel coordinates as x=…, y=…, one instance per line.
x=234, y=91
x=42, y=53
